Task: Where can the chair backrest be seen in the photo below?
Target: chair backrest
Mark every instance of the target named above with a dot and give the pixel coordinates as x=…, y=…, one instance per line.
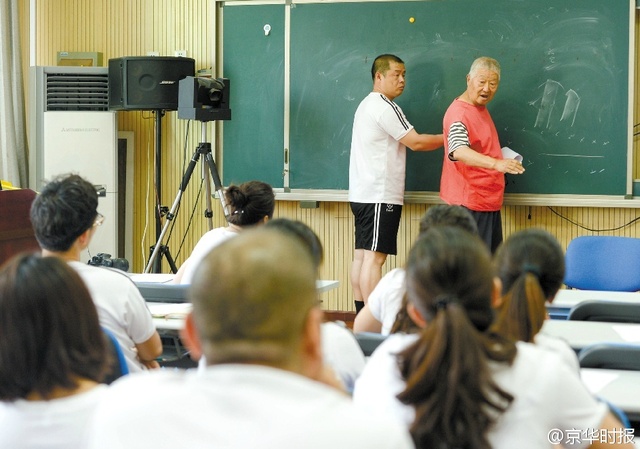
x=598, y=262
x=620, y=356
x=119, y=366
x=369, y=341
x=609, y=311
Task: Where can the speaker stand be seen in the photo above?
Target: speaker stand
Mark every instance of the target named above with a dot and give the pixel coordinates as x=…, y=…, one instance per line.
x=160, y=210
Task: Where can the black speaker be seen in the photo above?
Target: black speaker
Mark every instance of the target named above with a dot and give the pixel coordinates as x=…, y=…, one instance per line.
x=138, y=83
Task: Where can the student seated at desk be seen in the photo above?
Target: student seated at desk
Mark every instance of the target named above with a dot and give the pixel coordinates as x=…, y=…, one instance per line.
x=65, y=218
x=457, y=384
x=530, y=265
x=265, y=384
x=340, y=348
x=53, y=355
x=251, y=203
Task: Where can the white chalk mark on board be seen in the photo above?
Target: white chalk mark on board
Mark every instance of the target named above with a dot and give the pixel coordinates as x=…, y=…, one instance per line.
x=571, y=106
x=571, y=155
x=547, y=103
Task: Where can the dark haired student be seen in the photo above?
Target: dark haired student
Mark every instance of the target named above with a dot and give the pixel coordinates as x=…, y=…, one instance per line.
x=53, y=354
x=65, y=218
x=456, y=384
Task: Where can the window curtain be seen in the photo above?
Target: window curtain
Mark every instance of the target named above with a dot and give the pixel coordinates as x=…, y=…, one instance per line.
x=13, y=133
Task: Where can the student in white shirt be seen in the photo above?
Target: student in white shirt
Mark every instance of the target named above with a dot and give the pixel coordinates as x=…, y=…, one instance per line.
x=256, y=318
x=65, y=217
x=250, y=203
x=340, y=348
x=530, y=265
x=53, y=355
x=457, y=384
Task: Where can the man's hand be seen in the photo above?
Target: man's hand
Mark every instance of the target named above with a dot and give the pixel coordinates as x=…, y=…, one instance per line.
x=510, y=166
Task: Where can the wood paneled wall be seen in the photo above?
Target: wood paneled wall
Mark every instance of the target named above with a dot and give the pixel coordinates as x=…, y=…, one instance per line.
x=135, y=27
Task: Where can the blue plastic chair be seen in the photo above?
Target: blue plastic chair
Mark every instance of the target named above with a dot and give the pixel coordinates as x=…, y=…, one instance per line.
x=119, y=367
x=605, y=263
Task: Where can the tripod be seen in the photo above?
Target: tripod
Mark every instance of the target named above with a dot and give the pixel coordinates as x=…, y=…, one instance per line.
x=203, y=149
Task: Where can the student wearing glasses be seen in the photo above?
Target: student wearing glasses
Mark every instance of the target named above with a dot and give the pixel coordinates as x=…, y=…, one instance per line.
x=64, y=217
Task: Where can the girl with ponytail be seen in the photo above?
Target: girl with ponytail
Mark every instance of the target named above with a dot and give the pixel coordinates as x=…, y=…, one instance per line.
x=458, y=385
x=530, y=265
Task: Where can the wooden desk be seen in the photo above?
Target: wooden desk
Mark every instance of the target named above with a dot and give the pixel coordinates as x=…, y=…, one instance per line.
x=580, y=334
x=566, y=299
x=621, y=388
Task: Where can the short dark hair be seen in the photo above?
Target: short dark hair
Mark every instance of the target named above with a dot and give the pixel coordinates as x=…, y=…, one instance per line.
x=64, y=209
x=304, y=233
x=437, y=215
x=257, y=314
x=49, y=330
x=448, y=215
x=250, y=202
x=382, y=64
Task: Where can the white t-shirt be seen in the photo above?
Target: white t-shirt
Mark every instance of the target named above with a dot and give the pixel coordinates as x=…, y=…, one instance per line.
x=55, y=424
x=234, y=406
x=207, y=242
x=341, y=351
x=561, y=347
x=386, y=299
x=378, y=160
x=121, y=308
x=548, y=395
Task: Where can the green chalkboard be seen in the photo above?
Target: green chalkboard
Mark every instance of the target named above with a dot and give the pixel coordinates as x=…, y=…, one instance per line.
x=254, y=63
x=563, y=100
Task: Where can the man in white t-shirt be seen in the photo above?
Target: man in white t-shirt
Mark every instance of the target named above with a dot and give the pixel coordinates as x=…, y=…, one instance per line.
x=266, y=384
x=381, y=133
x=64, y=217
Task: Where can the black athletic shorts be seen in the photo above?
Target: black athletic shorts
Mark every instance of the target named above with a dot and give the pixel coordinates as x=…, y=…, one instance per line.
x=377, y=226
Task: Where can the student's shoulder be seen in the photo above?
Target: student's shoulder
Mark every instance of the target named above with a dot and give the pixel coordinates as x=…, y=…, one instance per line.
x=148, y=385
x=109, y=277
x=543, y=363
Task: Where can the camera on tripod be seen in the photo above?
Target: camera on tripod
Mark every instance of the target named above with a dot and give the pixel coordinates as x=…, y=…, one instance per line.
x=105, y=260
x=204, y=99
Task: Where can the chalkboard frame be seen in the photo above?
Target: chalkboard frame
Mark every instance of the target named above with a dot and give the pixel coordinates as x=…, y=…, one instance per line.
x=339, y=193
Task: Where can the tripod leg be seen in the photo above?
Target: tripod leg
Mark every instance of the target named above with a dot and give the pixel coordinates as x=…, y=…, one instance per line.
x=217, y=183
x=171, y=214
x=172, y=263
x=208, y=213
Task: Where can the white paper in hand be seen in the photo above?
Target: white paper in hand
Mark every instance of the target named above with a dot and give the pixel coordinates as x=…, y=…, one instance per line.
x=508, y=153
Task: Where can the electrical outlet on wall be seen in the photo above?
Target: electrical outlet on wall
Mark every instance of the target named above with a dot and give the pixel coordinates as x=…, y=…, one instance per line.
x=181, y=53
x=153, y=53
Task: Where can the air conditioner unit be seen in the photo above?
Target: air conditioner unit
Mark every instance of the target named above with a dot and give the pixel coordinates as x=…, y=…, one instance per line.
x=73, y=131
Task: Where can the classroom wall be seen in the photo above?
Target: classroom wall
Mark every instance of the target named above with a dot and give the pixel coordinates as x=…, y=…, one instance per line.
x=134, y=27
